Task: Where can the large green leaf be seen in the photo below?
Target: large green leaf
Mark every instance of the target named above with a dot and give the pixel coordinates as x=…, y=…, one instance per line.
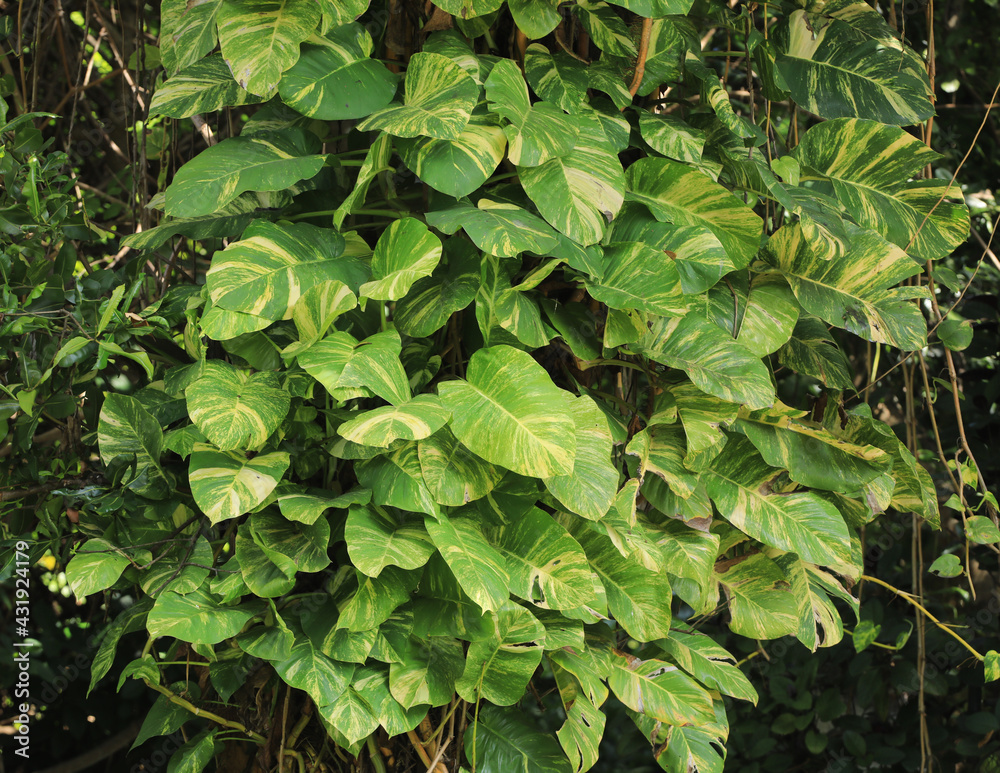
x=761, y=316
x=714, y=361
x=260, y=39
x=581, y=733
x=535, y=18
x=351, y=715
x=197, y=617
x=505, y=314
x=813, y=456
x=261, y=575
x=581, y=192
x=607, y=28
x=229, y=220
x=417, y=419
x=590, y=489
x=856, y=290
x=432, y=300
x=638, y=598
x=226, y=484
x=340, y=360
x=478, y=567
x=869, y=165
x=303, y=545
x=661, y=450
x=556, y=78
x=378, y=537
x=669, y=41
x=236, y=408
x=672, y=137
x=396, y=480
x=376, y=162
x=799, y=522
x=222, y=172
x=376, y=598
x=760, y=598
x=498, y=669
x=187, y=32
x=335, y=79
x=440, y=96
x=835, y=70
x=453, y=474
x=545, y=564
x=458, y=166
x=510, y=413
x=676, y=193
x=709, y=663
x=202, y=87
x=499, y=228
x=406, y=251
x=268, y=270
x=372, y=684
x=536, y=133
x=96, y=567
x=428, y=671
x=638, y=276
x=308, y=669
x=812, y=351
x=503, y=740
x=659, y=690
x=468, y=9
x=701, y=414
x=127, y=429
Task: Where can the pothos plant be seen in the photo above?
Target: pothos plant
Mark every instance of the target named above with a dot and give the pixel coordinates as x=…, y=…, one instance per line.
x=480, y=397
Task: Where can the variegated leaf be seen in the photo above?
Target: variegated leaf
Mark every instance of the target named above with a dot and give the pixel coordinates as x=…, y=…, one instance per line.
x=638, y=276
x=535, y=18
x=234, y=408
x=815, y=589
x=536, y=133
x=659, y=690
x=432, y=300
x=439, y=99
x=222, y=172
x=395, y=480
x=378, y=537
x=187, y=32
x=197, y=617
x=505, y=315
x=661, y=449
x=799, y=522
x=372, y=683
x=812, y=351
x=458, y=166
x=261, y=576
x=835, y=70
x=556, y=78
x=308, y=669
x=260, y=39
x=672, y=137
x=478, y=567
x=590, y=489
x=306, y=506
x=498, y=669
x=761, y=316
x=351, y=715
x=335, y=79
x=427, y=672
x=317, y=308
x=545, y=564
x=469, y=9
x=709, y=663
x=669, y=41
x=714, y=361
x=454, y=475
x=869, y=165
x=581, y=192
x=340, y=360
x=607, y=29
x=226, y=484
x=499, y=228
x=701, y=414
x=676, y=193
x=266, y=272
x=376, y=162
x=405, y=252
x=417, y=419
x=639, y=599
x=761, y=602
x=202, y=87
x=305, y=546
x=126, y=429
x=510, y=413
x=581, y=734
x=505, y=739
x=857, y=290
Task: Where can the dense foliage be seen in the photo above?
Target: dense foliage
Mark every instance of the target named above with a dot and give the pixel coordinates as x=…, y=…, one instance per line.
x=484, y=356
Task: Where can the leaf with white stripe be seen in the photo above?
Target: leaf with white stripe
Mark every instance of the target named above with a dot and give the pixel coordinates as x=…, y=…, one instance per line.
x=510, y=413
x=236, y=408
x=676, y=193
x=308, y=669
x=869, y=165
x=606, y=28
x=226, y=484
x=581, y=733
x=713, y=360
x=203, y=87
x=591, y=488
x=340, y=360
x=856, y=290
x=535, y=18
x=266, y=272
x=335, y=79
x=638, y=276
x=128, y=430
x=396, y=480
x=440, y=96
x=799, y=522
x=417, y=419
x=762, y=317
x=458, y=166
x=581, y=192
x=469, y=9
x=454, y=475
x=378, y=537
x=659, y=690
x=835, y=70
x=305, y=506
x=672, y=137
x=813, y=351
x=222, y=172
x=187, y=32
x=760, y=599
x=505, y=315
x=260, y=39
x=406, y=251
x=499, y=228
x=709, y=663
x=432, y=300
x=198, y=617
x=556, y=78
x=478, y=567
